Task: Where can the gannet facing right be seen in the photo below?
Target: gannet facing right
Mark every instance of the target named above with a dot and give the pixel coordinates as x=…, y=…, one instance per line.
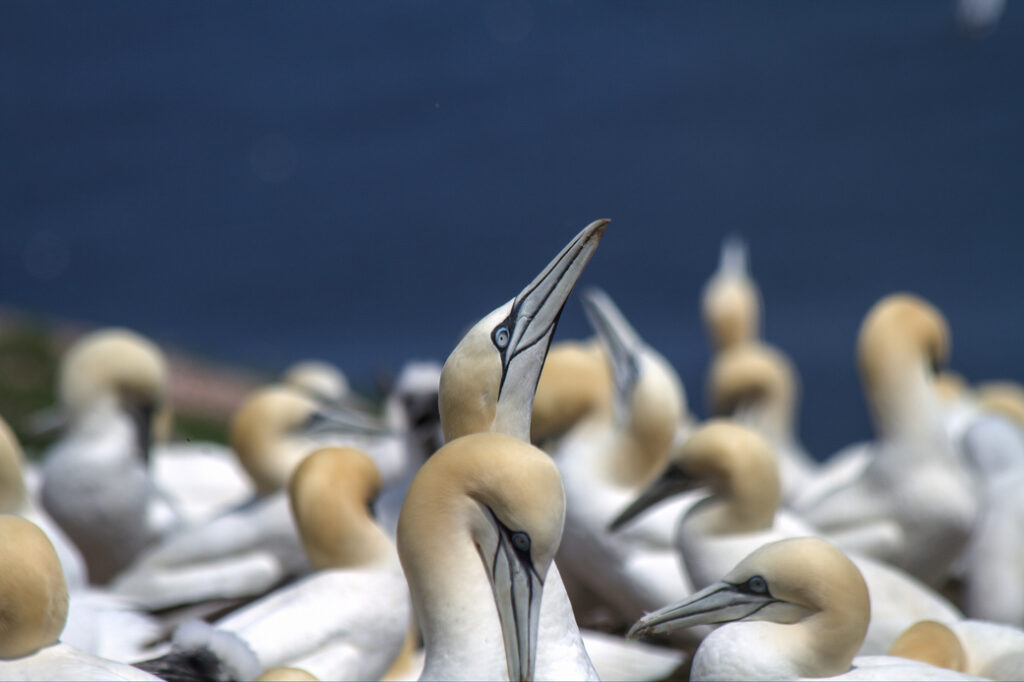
x=795, y=608
x=487, y=386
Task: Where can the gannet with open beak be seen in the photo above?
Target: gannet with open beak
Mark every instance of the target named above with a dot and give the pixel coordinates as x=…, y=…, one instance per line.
x=33, y=609
x=915, y=479
x=792, y=609
x=731, y=302
x=487, y=386
x=95, y=479
x=738, y=468
x=324, y=623
x=757, y=385
x=250, y=549
x=607, y=459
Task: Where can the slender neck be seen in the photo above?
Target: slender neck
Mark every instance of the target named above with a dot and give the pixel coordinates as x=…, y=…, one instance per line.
x=902, y=397
x=454, y=602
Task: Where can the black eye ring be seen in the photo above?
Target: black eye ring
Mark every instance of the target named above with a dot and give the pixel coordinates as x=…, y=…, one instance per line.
x=521, y=541
x=501, y=337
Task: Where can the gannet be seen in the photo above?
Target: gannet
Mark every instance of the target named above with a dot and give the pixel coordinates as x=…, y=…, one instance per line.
x=95, y=479
x=795, y=608
x=33, y=608
x=757, y=385
x=915, y=479
x=477, y=535
x=993, y=578
x=487, y=386
x=607, y=459
x=250, y=549
x=931, y=642
x=325, y=382
x=738, y=468
x=1002, y=397
x=348, y=619
x=731, y=302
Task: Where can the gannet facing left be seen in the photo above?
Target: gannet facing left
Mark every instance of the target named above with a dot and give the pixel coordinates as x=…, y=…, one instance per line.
x=796, y=608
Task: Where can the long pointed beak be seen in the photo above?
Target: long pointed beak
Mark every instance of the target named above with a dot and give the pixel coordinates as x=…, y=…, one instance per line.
x=517, y=594
x=624, y=345
x=537, y=307
x=143, y=416
x=333, y=418
x=719, y=602
x=672, y=482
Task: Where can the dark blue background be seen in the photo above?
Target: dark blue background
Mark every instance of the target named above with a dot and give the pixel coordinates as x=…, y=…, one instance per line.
x=268, y=181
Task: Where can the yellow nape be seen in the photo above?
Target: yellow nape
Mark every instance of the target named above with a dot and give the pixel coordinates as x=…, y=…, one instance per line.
x=931, y=642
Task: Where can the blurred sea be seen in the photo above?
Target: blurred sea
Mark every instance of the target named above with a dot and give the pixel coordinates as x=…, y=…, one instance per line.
x=263, y=182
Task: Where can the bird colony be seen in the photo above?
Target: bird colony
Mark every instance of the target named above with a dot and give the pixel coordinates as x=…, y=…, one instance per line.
x=527, y=511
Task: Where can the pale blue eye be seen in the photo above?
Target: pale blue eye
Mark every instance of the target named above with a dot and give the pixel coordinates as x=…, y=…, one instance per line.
x=501, y=337
x=757, y=584
x=521, y=541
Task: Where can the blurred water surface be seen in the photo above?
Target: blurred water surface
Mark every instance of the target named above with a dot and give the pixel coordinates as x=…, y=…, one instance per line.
x=268, y=181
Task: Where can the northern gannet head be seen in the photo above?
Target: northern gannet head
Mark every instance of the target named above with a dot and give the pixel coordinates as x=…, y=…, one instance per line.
x=485, y=507
x=731, y=303
x=754, y=377
x=117, y=368
x=277, y=426
x=576, y=382
x=734, y=462
x=951, y=386
x=805, y=583
x=12, y=462
x=33, y=593
x=489, y=380
x=320, y=379
x=931, y=642
x=331, y=492
x=650, y=403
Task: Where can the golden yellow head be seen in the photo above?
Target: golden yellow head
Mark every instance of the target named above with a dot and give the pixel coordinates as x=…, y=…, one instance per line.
x=260, y=429
x=112, y=362
x=751, y=373
x=330, y=493
x=33, y=593
x=576, y=381
x=931, y=642
x=901, y=328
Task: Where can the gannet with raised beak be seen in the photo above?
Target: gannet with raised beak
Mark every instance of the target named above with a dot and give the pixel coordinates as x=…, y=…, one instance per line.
x=738, y=468
x=607, y=459
x=324, y=623
x=915, y=478
x=95, y=479
x=486, y=396
x=792, y=609
x=731, y=302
